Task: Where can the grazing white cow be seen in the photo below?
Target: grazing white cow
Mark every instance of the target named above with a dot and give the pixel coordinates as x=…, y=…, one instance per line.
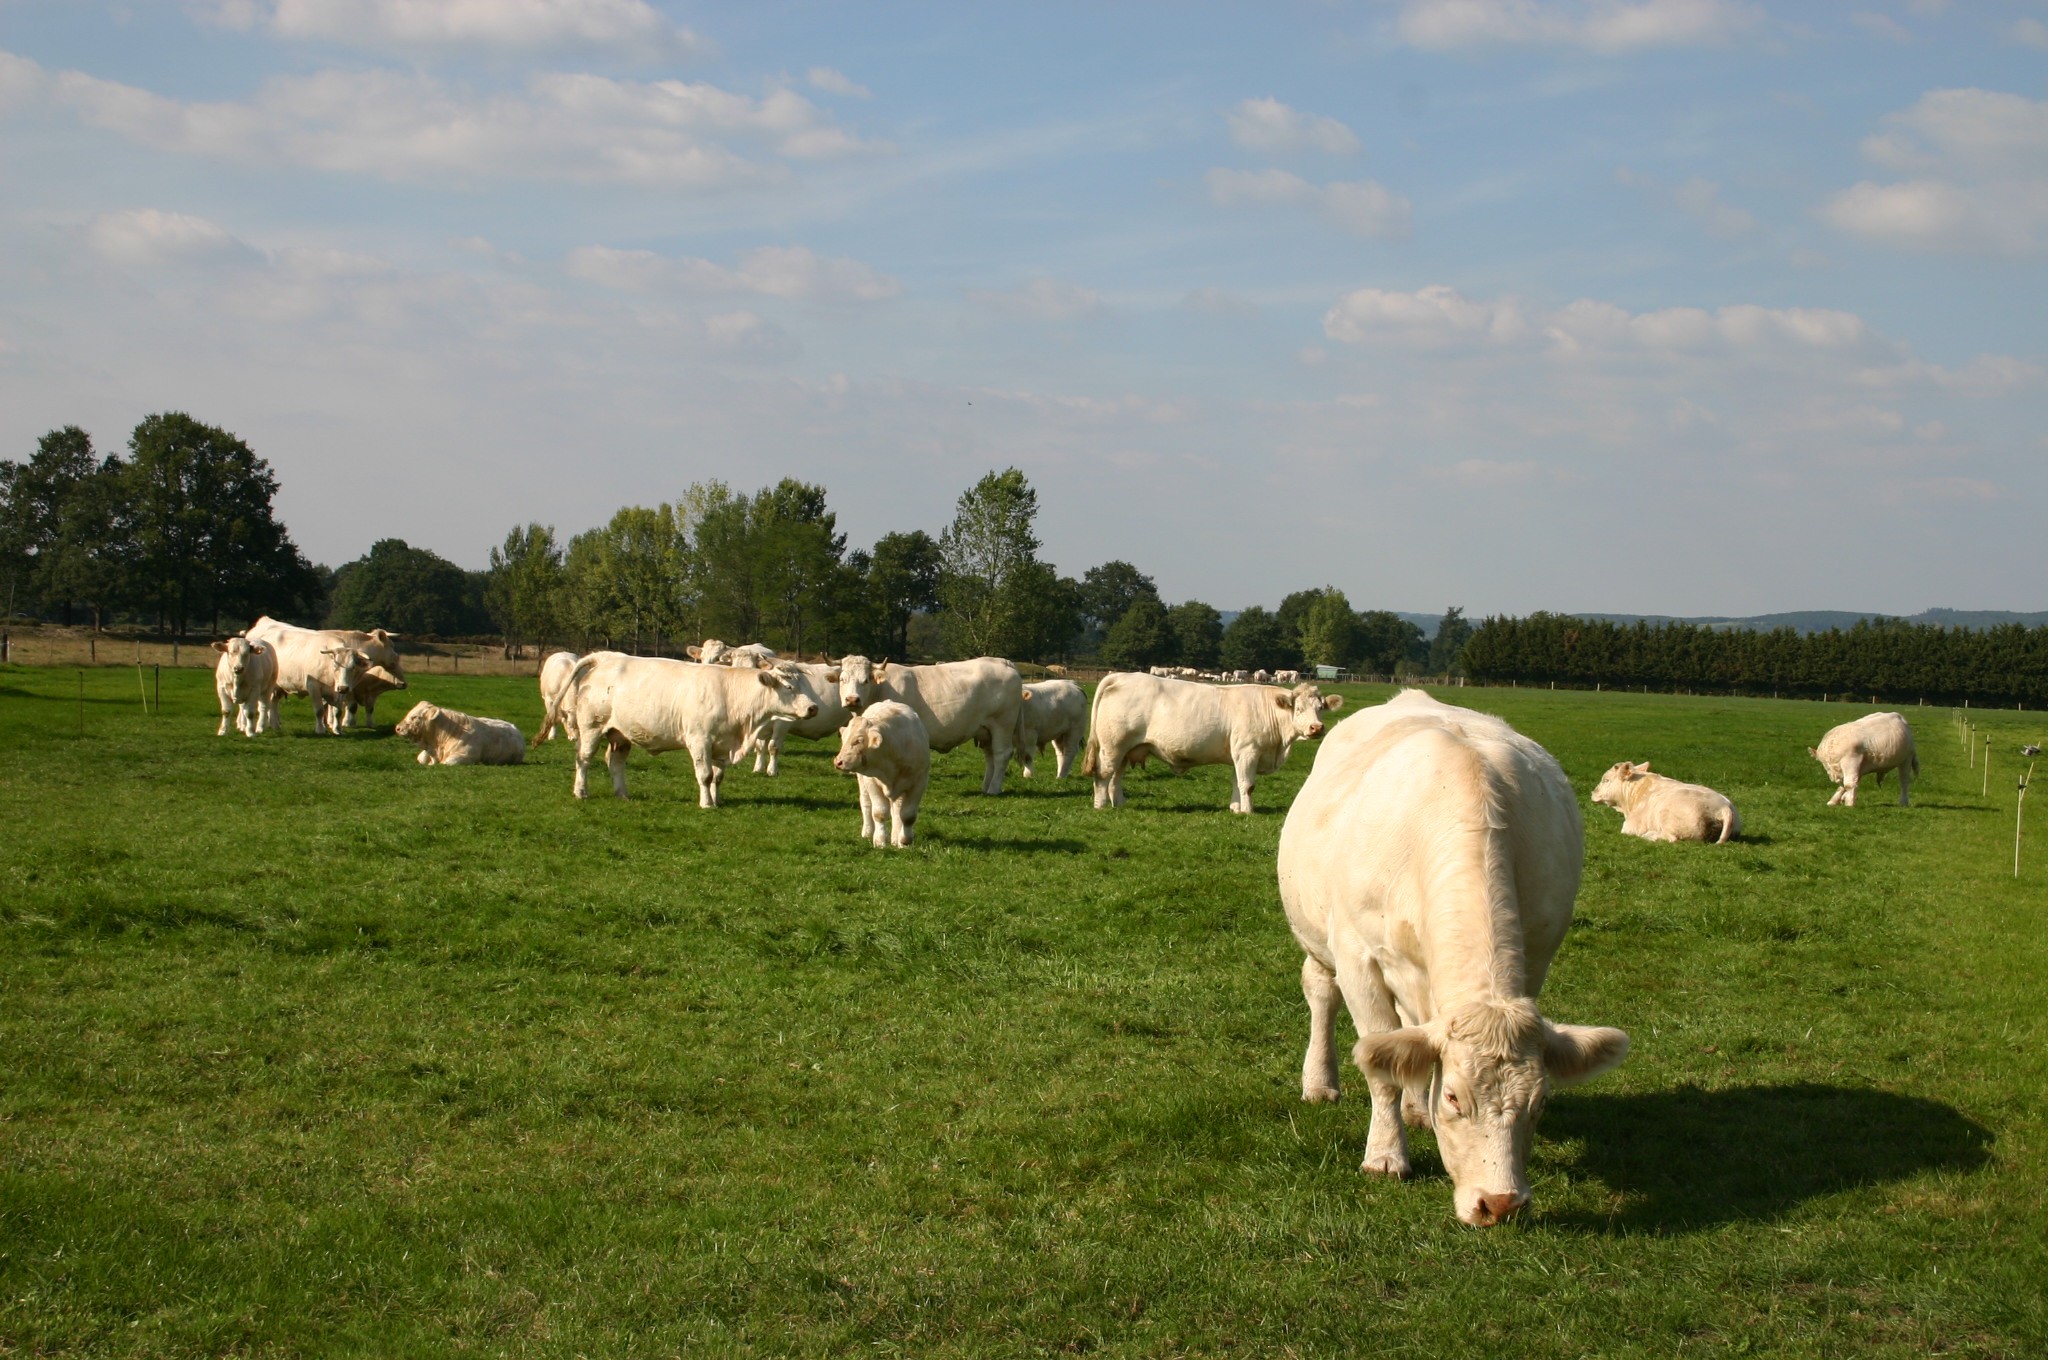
x=1872, y=745
x=716, y=653
x=661, y=704
x=300, y=652
x=958, y=702
x=820, y=684
x=1262, y=677
x=1248, y=727
x=885, y=749
x=1055, y=713
x=1428, y=868
x=1659, y=808
x=244, y=679
x=446, y=737
x=554, y=678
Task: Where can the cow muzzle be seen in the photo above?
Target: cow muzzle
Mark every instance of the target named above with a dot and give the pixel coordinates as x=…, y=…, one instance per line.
x=807, y=709
x=1491, y=1210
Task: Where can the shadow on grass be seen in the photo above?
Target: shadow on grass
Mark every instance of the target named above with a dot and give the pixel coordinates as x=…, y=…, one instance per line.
x=1021, y=845
x=1954, y=807
x=1690, y=1158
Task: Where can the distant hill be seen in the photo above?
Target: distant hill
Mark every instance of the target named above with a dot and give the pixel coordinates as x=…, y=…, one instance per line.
x=1820, y=620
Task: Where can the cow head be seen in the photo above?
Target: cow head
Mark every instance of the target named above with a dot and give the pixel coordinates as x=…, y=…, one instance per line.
x=1493, y=1064
x=237, y=653
x=1618, y=777
x=856, y=739
x=1833, y=767
x=349, y=665
x=787, y=701
x=860, y=681
x=1307, y=704
x=418, y=721
x=711, y=653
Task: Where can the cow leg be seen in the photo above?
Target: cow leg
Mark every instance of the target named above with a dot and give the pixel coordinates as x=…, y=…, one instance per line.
x=222, y=730
x=616, y=748
x=586, y=749
x=867, y=806
x=903, y=815
x=707, y=774
x=1026, y=750
x=774, y=753
x=1372, y=1011
x=1905, y=786
x=1852, y=775
x=1063, y=752
x=1320, y=1082
x=1001, y=742
x=1247, y=769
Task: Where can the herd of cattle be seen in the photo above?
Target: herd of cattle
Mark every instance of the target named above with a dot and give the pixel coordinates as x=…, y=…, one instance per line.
x=1428, y=865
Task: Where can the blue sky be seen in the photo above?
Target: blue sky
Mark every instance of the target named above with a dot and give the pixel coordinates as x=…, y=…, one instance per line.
x=1679, y=306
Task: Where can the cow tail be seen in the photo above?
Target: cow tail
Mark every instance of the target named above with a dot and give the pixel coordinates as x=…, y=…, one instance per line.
x=554, y=709
x=1728, y=824
x=1091, y=754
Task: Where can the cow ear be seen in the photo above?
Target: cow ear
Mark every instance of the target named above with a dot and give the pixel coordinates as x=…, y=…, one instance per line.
x=1643, y=768
x=220, y=646
x=1403, y=1055
x=1332, y=702
x=1815, y=754
x=1027, y=694
x=832, y=675
x=1285, y=701
x=874, y=738
x=695, y=652
x=1578, y=1052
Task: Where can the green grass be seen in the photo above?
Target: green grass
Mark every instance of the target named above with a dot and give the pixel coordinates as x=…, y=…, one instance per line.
x=305, y=1049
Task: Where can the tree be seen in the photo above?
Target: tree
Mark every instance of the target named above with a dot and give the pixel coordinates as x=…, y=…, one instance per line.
x=1045, y=615
x=799, y=556
x=902, y=580
x=1385, y=640
x=987, y=551
x=35, y=498
x=525, y=585
x=1290, y=614
x=92, y=563
x=1110, y=589
x=1448, y=646
x=1141, y=638
x=1254, y=641
x=1329, y=630
x=207, y=540
x=408, y=590
x=1197, y=634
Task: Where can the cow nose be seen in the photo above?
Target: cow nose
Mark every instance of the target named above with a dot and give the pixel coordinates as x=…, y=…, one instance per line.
x=1500, y=1208
x=1315, y=731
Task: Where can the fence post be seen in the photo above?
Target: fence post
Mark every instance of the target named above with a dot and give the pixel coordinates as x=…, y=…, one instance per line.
x=159, y=690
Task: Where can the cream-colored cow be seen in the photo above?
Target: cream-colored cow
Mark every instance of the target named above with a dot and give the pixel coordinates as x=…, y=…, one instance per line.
x=1055, y=713
x=1659, y=808
x=1872, y=745
x=716, y=653
x=244, y=680
x=884, y=748
x=1185, y=723
x=301, y=652
x=446, y=737
x=957, y=701
x=554, y=678
x=1428, y=868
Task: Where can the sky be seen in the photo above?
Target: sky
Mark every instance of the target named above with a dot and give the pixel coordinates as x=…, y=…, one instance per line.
x=1664, y=306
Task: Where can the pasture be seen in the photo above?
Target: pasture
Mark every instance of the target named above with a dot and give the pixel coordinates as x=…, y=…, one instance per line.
x=308, y=1050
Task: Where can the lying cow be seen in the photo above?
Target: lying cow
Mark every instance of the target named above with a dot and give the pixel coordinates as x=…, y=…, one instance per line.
x=716, y=653
x=660, y=705
x=1055, y=713
x=554, y=678
x=446, y=737
x=1248, y=727
x=1428, y=868
x=820, y=684
x=303, y=651
x=958, y=702
x=885, y=749
x=245, y=681
x=1872, y=745
x=1658, y=808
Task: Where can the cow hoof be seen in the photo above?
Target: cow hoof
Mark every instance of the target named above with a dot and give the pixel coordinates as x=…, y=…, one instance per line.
x=1387, y=1164
x=1321, y=1095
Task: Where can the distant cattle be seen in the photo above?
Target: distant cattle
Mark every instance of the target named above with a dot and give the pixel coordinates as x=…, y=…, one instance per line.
x=446, y=737
x=1873, y=745
x=1658, y=808
x=1286, y=677
x=1055, y=713
x=305, y=655
x=958, y=702
x=716, y=653
x=1249, y=727
x=884, y=747
x=660, y=704
x=816, y=682
x=1428, y=867
x=554, y=678
x=1262, y=677
x=245, y=681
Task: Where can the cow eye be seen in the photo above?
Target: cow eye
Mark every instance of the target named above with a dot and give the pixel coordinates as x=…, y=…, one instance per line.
x=1451, y=1099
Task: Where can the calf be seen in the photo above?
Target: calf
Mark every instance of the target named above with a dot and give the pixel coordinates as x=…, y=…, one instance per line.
x=446, y=737
x=1248, y=727
x=885, y=749
x=329, y=684
x=245, y=680
x=1662, y=809
x=1428, y=868
x=1872, y=745
x=958, y=702
x=1054, y=712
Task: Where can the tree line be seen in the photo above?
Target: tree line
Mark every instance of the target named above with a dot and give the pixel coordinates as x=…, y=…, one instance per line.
x=1890, y=658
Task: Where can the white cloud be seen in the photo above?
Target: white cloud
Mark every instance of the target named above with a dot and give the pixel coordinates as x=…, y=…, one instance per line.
x=1978, y=167
x=1882, y=26
x=837, y=82
x=1433, y=316
x=1043, y=299
x=628, y=27
x=150, y=236
x=793, y=272
x=1610, y=27
x=1270, y=126
x=2030, y=32
x=747, y=336
x=399, y=126
x=1362, y=207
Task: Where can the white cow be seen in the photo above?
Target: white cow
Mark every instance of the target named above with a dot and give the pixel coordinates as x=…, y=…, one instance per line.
x=716, y=653
x=1286, y=677
x=1659, y=808
x=820, y=684
x=885, y=749
x=1054, y=712
x=958, y=702
x=1262, y=677
x=554, y=678
x=300, y=652
x=661, y=704
x=1248, y=727
x=330, y=683
x=1428, y=868
x=446, y=737
x=1871, y=745
x=244, y=679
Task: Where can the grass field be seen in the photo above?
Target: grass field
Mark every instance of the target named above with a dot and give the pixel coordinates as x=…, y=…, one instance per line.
x=308, y=1050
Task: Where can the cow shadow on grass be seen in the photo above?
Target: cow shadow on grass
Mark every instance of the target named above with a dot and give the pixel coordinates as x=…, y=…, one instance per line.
x=1690, y=1158
x=1955, y=807
x=1019, y=845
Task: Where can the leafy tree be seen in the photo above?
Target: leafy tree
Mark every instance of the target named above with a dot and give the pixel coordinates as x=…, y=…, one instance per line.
x=408, y=590
x=725, y=567
x=523, y=595
x=1385, y=640
x=798, y=556
x=92, y=562
x=1197, y=634
x=1329, y=630
x=1142, y=637
x=902, y=580
x=1448, y=646
x=1293, y=610
x=1045, y=614
x=1255, y=641
x=35, y=502
x=987, y=551
x=1110, y=589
